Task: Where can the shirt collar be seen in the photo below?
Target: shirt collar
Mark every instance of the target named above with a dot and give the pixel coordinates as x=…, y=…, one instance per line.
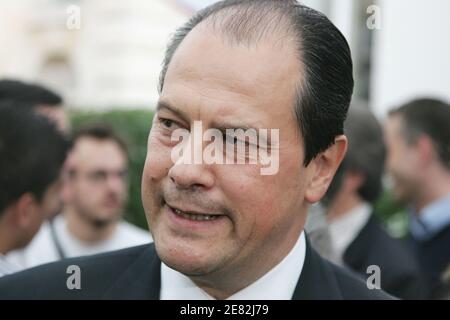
x=7, y=267
x=431, y=219
x=278, y=284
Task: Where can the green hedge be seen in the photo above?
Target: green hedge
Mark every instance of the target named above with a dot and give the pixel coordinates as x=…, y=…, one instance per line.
x=393, y=214
x=133, y=126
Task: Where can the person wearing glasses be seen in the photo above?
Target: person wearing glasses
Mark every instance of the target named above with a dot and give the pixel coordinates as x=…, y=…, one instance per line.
x=95, y=194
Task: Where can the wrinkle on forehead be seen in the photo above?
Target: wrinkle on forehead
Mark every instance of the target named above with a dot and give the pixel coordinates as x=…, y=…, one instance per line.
x=203, y=56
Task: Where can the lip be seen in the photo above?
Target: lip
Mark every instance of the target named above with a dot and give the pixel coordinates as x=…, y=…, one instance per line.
x=205, y=226
x=191, y=211
x=111, y=204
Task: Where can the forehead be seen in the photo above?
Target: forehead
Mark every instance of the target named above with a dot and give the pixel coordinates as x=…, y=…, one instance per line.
x=99, y=153
x=394, y=126
x=213, y=74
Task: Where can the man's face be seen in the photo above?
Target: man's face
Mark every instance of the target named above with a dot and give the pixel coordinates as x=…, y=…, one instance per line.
x=40, y=211
x=402, y=160
x=257, y=217
x=97, y=190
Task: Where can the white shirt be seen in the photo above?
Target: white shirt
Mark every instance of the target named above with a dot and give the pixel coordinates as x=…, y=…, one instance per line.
x=345, y=229
x=42, y=249
x=6, y=267
x=278, y=284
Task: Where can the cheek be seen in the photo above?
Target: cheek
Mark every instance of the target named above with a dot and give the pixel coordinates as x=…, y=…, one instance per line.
x=251, y=197
x=156, y=168
x=264, y=199
x=394, y=160
x=86, y=193
x=158, y=161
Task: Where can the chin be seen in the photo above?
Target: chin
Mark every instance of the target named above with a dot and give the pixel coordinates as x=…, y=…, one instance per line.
x=185, y=258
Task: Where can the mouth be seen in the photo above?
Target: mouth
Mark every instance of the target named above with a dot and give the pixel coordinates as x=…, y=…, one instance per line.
x=192, y=215
x=111, y=203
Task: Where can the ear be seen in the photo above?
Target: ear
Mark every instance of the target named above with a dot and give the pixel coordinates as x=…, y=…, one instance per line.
x=25, y=209
x=323, y=167
x=425, y=149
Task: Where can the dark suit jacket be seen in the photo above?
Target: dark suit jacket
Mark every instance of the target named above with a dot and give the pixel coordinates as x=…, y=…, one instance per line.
x=434, y=256
x=134, y=273
x=400, y=273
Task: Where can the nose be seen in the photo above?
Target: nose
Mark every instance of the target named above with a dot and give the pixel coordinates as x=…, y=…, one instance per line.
x=115, y=182
x=187, y=176
x=189, y=171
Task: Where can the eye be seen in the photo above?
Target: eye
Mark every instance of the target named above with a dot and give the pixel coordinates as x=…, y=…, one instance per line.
x=235, y=140
x=167, y=123
x=229, y=139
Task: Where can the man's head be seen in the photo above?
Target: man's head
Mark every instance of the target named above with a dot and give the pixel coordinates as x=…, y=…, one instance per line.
x=43, y=100
x=359, y=178
x=32, y=152
x=246, y=64
x=418, y=140
x=96, y=189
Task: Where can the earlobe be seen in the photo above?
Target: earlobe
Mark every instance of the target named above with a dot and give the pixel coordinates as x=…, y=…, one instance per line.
x=25, y=208
x=324, y=167
x=426, y=151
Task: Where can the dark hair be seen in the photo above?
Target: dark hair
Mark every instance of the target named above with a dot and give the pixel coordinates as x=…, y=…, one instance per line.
x=32, y=152
x=99, y=131
x=366, y=150
x=366, y=154
x=324, y=94
x=27, y=94
x=430, y=117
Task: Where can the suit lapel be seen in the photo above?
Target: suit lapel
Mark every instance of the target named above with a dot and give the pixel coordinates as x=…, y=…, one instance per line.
x=317, y=280
x=142, y=279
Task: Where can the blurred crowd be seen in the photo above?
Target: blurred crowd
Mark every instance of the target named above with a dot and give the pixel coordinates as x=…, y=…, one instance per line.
x=63, y=192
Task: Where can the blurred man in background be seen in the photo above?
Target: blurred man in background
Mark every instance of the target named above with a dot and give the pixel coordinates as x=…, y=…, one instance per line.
x=418, y=139
x=45, y=102
x=36, y=97
x=358, y=239
x=95, y=196
x=32, y=152
x=41, y=100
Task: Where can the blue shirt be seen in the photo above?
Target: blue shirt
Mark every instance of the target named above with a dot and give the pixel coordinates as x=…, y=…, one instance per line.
x=431, y=220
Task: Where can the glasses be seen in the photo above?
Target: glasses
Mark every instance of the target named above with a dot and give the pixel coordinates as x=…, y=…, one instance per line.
x=101, y=176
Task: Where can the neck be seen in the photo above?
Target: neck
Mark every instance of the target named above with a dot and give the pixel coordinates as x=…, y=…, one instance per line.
x=436, y=186
x=7, y=232
x=5, y=244
x=85, y=230
x=341, y=206
x=223, y=284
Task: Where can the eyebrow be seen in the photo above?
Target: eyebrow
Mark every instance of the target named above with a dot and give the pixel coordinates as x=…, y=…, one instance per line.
x=165, y=105
x=223, y=126
x=220, y=125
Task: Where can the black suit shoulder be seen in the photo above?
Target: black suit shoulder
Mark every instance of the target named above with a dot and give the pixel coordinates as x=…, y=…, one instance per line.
x=49, y=281
x=322, y=280
x=433, y=255
x=353, y=288
x=134, y=273
x=400, y=271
